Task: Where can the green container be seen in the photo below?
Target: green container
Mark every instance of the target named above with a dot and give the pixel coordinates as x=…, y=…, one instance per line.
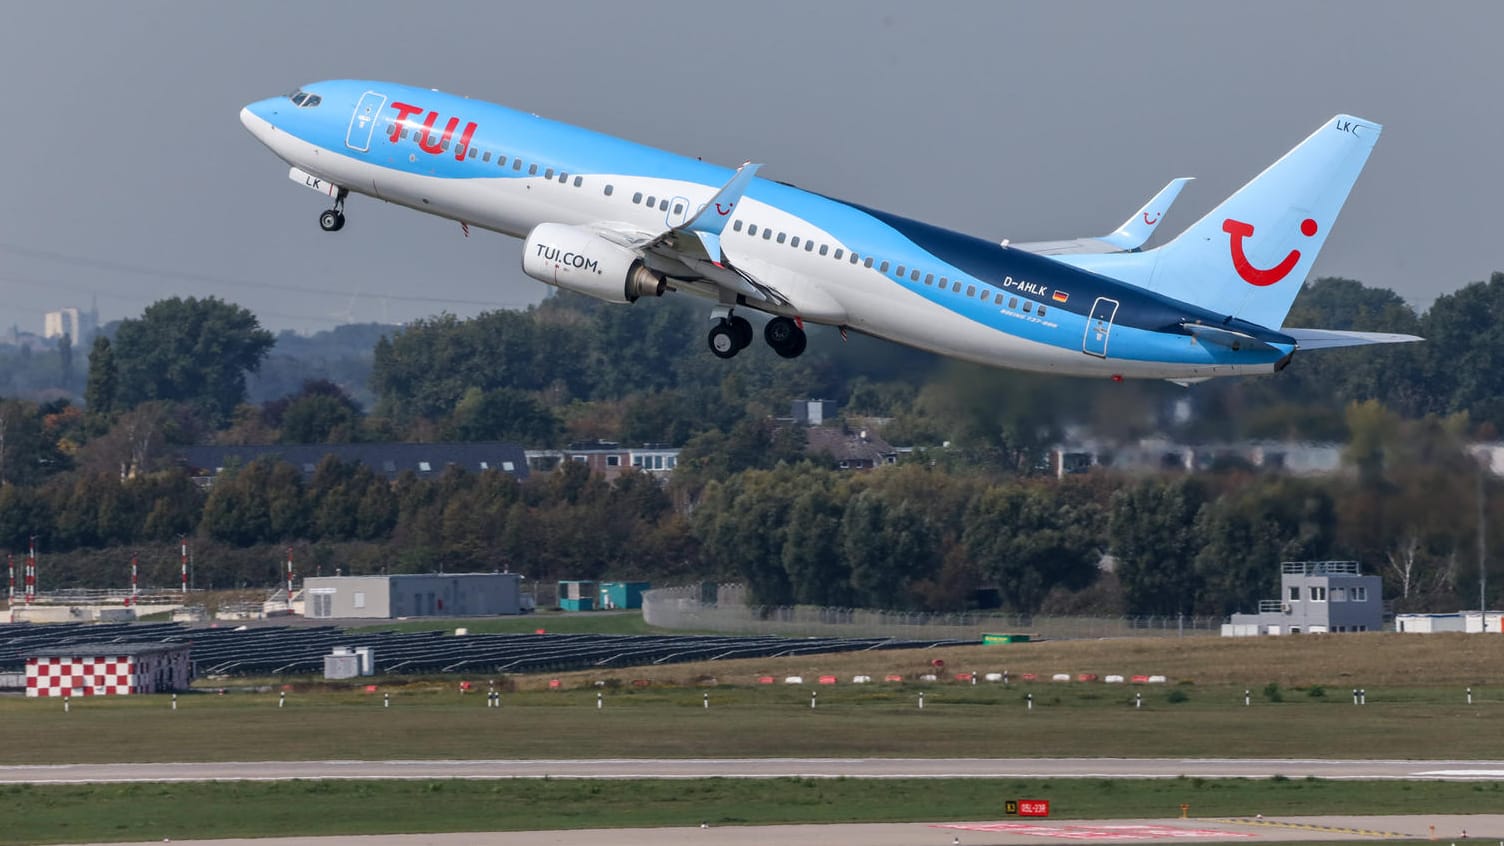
x=988, y=639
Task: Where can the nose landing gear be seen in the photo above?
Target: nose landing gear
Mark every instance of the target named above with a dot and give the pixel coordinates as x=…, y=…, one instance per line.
x=333, y=220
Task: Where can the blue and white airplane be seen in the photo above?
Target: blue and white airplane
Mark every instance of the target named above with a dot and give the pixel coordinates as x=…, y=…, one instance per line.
x=619, y=221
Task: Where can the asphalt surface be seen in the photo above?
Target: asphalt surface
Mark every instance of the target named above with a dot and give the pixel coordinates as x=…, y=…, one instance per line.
x=760, y=768
x=1446, y=829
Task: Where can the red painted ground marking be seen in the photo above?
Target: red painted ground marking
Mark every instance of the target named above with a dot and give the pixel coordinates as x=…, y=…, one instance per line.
x=1098, y=832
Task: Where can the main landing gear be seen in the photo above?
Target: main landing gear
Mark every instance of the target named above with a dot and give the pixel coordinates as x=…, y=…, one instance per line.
x=731, y=334
x=333, y=220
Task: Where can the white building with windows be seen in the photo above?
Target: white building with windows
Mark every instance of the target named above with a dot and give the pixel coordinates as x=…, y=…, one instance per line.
x=1316, y=597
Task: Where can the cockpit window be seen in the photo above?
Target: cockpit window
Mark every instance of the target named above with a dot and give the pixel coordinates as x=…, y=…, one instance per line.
x=304, y=100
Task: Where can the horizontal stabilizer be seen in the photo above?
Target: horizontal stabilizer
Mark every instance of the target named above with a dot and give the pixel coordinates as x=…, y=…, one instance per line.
x=1126, y=238
x=1325, y=339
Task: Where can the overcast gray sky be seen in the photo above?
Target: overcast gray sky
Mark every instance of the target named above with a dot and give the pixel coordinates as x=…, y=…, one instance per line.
x=126, y=174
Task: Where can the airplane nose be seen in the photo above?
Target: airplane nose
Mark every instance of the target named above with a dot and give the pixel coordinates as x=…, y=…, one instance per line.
x=256, y=118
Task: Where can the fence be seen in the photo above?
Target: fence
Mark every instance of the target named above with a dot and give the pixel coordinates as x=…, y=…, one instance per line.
x=723, y=608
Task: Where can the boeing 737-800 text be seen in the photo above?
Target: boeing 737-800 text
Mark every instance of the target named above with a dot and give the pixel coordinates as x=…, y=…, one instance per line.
x=620, y=221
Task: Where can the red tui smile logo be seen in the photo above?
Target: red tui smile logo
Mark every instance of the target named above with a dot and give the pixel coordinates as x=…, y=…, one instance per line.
x=1261, y=277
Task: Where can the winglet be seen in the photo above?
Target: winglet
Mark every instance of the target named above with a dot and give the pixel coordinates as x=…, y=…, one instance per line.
x=711, y=219
x=1136, y=230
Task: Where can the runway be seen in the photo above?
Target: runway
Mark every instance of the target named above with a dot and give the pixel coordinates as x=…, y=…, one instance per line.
x=1250, y=830
x=874, y=768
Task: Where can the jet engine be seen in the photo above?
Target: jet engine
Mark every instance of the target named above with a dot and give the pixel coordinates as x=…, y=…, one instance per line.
x=580, y=260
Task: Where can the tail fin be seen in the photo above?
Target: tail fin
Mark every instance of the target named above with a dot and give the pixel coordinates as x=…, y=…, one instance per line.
x=1249, y=257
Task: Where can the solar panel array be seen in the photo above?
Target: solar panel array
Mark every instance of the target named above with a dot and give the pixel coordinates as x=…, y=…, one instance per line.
x=279, y=650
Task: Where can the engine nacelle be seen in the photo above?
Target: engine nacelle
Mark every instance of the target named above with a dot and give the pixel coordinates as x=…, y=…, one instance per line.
x=580, y=260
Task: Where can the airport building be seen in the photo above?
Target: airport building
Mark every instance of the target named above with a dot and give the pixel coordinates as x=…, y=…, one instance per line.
x=104, y=669
x=1316, y=597
x=429, y=595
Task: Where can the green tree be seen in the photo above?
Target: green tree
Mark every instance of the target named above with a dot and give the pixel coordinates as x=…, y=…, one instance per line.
x=1030, y=540
x=99, y=394
x=190, y=351
x=1152, y=534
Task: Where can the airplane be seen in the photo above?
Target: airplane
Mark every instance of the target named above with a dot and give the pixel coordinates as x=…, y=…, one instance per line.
x=619, y=221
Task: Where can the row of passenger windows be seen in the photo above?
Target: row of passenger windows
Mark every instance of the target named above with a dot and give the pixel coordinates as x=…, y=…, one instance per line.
x=487, y=156
x=913, y=274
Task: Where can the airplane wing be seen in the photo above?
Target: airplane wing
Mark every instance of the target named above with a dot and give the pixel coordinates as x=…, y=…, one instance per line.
x=1134, y=232
x=692, y=252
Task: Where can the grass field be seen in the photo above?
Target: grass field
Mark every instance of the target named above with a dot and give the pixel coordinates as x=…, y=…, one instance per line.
x=72, y=813
x=430, y=721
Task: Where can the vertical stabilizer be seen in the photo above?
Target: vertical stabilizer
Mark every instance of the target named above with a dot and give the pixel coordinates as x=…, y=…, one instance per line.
x=1249, y=257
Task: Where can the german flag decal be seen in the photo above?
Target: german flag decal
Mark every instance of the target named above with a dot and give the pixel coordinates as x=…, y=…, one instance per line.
x=1060, y=296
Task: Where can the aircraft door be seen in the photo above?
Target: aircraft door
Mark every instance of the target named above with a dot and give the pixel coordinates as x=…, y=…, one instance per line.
x=363, y=121
x=1099, y=326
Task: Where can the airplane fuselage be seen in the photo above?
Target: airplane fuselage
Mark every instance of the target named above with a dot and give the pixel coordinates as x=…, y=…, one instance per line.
x=833, y=262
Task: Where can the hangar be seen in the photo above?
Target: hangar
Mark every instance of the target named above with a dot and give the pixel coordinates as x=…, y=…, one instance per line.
x=427, y=595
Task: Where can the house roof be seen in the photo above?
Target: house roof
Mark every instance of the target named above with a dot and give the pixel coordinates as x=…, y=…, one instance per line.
x=106, y=650
x=864, y=447
x=385, y=459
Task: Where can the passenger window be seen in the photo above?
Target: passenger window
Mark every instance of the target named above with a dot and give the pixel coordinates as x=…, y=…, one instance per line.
x=532, y=170
x=867, y=262
x=767, y=234
x=883, y=267
x=637, y=198
x=751, y=229
x=486, y=157
x=956, y=286
x=578, y=181
x=900, y=270
x=563, y=178
x=548, y=173
x=473, y=152
x=1013, y=302
x=782, y=237
x=501, y=161
x=1041, y=311
x=914, y=275
x=517, y=164
x=998, y=300
x=824, y=249
x=678, y=208
x=1028, y=306
x=736, y=225
x=652, y=201
x=929, y=278
x=971, y=290
x=609, y=190
x=809, y=247
x=663, y=204
x=944, y=283
x=840, y=253
x=795, y=242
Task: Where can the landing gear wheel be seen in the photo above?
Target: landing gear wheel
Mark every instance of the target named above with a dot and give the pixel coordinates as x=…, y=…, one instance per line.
x=724, y=340
x=785, y=337
x=743, y=329
x=332, y=220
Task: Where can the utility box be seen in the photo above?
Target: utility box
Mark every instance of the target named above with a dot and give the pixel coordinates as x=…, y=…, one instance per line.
x=622, y=594
x=577, y=595
x=343, y=664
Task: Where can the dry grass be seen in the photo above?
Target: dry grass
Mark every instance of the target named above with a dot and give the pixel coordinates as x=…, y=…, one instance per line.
x=1377, y=660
